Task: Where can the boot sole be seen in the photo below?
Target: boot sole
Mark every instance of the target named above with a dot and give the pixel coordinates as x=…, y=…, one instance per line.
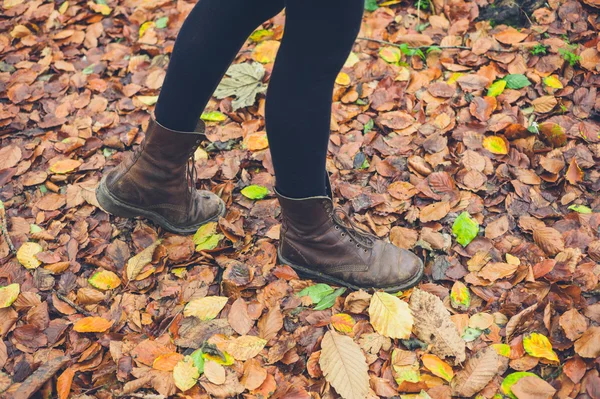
x=304, y=272
x=116, y=207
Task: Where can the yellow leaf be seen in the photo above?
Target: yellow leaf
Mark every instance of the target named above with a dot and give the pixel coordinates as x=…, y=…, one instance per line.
x=137, y=263
x=245, y=347
x=391, y=55
x=344, y=366
x=343, y=79
x=26, y=255
x=496, y=88
x=105, y=280
x=481, y=321
x=100, y=8
x=8, y=295
x=265, y=52
x=495, y=145
x=351, y=61
x=214, y=372
x=63, y=7
x=553, y=82
x=390, y=316
x=92, y=324
x=538, y=345
x=185, y=374
x=11, y=3
x=147, y=100
x=460, y=298
x=342, y=322
x=502, y=349
x=167, y=362
x=206, y=308
x=65, y=166
x=438, y=367
x=454, y=76
x=145, y=26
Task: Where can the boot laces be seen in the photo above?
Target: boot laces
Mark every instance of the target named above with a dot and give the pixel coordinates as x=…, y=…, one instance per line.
x=358, y=234
x=191, y=174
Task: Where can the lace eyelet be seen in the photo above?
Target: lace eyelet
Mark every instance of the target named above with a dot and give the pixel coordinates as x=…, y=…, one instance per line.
x=343, y=234
x=357, y=246
x=365, y=250
x=337, y=227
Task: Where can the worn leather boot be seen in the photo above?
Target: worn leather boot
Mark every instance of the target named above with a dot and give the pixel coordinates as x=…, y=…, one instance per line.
x=319, y=245
x=158, y=182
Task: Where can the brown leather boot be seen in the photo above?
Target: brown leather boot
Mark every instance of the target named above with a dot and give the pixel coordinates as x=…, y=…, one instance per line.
x=319, y=245
x=158, y=183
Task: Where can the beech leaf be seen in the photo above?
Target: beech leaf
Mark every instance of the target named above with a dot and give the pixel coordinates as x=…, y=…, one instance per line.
x=390, y=316
x=344, y=366
x=206, y=308
x=465, y=229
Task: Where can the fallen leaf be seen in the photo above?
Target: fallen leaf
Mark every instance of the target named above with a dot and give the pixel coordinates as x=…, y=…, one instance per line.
x=26, y=255
x=9, y=294
x=434, y=326
x=480, y=369
x=92, y=324
x=245, y=347
x=105, y=280
x=538, y=345
x=532, y=388
x=206, y=308
x=185, y=374
x=438, y=367
x=344, y=366
x=390, y=316
x=588, y=345
x=342, y=322
x=214, y=372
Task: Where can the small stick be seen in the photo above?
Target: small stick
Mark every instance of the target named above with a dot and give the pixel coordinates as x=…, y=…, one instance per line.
x=4, y=229
x=73, y=304
x=426, y=47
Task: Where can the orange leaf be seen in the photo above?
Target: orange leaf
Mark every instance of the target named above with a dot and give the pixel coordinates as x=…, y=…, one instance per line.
x=438, y=367
x=342, y=322
x=574, y=173
x=63, y=384
x=167, y=362
x=92, y=324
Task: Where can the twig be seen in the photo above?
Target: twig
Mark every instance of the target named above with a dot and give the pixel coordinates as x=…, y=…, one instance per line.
x=164, y=330
x=73, y=304
x=427, y=47
x=5, y=229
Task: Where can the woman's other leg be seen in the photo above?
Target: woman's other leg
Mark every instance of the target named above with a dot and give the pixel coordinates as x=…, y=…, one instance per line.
x=207, y=43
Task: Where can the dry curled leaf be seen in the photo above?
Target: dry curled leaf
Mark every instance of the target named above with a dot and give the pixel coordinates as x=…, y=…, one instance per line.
x=434, y=326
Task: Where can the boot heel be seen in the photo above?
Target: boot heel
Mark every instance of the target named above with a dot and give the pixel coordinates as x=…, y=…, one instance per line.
x=110, y=204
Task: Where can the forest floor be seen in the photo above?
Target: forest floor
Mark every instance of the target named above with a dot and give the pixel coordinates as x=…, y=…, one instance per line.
x=472, y=143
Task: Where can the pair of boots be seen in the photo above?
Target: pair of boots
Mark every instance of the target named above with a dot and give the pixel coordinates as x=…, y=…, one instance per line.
x=158, y=183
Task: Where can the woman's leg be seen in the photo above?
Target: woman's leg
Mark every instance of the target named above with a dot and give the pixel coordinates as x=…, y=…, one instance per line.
x=209, y=40
x=318, y=38
x=314, y=240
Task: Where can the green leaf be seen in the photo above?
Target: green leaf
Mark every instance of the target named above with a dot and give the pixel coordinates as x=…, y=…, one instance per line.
x=580, y=209
x=471, y=334
x=88, y=70
x=465, y=229
x=368, y=126
x=260, y=35
x=516, y=81
x=371, y=5
x=206, y=237
x=329, y=300
x=198, y=360
x=244, y=83
x=213, y=116
x=161, y=23
x=316, y=292
x=511, y=380
x=496, y=88
x=255, y=192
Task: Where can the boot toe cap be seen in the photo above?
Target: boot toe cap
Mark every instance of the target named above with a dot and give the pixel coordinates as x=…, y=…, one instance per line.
x=405, y=269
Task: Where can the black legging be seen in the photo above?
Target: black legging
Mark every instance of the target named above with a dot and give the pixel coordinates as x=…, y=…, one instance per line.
x=318, y=38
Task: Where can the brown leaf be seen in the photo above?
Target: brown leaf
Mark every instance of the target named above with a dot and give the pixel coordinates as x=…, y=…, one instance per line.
x=550, y=240
x=574, y=174
x=51, y=202
x=435, y=211
x=238, y=317
x=544, y=104
x=270, y=324
x=530, y=387
x=9, y=156
x=477, y=373
x=589, y=343
x=434, y=326
x=497, y=270
x=497, y=228
x=510, y=36
x=573, y=324
x=395, y=120
x=254, y=374
x=63, y=384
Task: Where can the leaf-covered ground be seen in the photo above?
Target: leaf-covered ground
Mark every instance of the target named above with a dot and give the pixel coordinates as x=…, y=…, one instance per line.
x=474, y=144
